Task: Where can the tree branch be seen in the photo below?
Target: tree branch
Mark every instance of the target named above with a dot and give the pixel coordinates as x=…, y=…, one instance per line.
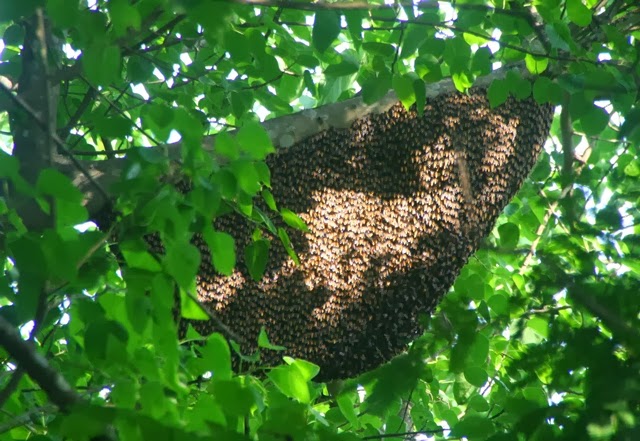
x=94, y=176
x=37, y=367
x=322, y=5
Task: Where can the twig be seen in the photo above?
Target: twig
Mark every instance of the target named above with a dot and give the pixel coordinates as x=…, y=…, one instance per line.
x=168, y=26
x=115, y=107
x=397, y=51
x=546, y=310
x=25, y=418
x=403, y=434
x=566, y=134
x=224, y=328
x=87, y=99
x=539, y=233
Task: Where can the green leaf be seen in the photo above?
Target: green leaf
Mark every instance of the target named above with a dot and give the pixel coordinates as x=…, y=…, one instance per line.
x=99, y=335
x=86, y=421
x=190, y=128
x=226, y=146
x=578, y=13
x=237, y=44
x=223, y=252
x=139, y=70
x=629, y=128
x=632, y=169
x=346, y=406
x=238, y=399
x=478, y=403
x=136, y=256
x=247, y=176
x=293, y=220
x=473, y=427
x=101, y=63
x=541, y=90
x=326, y=28
x=420, y=91
x=153, y=399
x=499, y=303
x=539, y=325
x=68, y=199
x=286, y=241
x=190, y=308
x=160, y=114
x=414, y=37
x=256, y=256
x=382, y=49
x=308, y=82
x=594, y=121
x=307, y=370
x=63, y=12
x=263, y=341
x=13, y=10
x=519, y=87
x=498, y=92
x=54, y=183
x=13, y=35
x=269, y=199
x=264, y=174
x=293, y=380
x=217, y=356
x=404, y=88
x=478, y=350
x=181, y=261
x=457, y=54
x=113, y=127
x=536, y=394
x=254, y=139
x=124, y=17
x=536, y=65
x=462, y=81
x=354, y=25
x=475, y=375
x=481, y=64
x=509, y=235
x=376, y=87
x=345, y=67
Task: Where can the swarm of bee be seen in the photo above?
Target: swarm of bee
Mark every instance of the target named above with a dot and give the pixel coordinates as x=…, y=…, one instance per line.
x=395, y=205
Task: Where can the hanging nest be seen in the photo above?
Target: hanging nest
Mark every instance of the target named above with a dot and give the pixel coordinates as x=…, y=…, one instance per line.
x=395, y=205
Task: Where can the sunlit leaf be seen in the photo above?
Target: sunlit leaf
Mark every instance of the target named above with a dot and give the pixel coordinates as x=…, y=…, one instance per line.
x=223, y=253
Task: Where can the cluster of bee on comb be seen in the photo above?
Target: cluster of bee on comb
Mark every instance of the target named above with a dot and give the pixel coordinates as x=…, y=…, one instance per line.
x=395, y=205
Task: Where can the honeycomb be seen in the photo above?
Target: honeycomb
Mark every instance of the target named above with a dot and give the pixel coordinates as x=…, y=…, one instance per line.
x=396, y=204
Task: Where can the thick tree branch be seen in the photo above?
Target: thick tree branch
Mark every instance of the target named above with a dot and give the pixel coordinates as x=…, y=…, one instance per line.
x=37, y=367
x=94, y=178
x=58, y=390
x=13, y=383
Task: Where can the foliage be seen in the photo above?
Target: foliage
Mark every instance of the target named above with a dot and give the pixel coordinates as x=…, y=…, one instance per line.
x=538, y=338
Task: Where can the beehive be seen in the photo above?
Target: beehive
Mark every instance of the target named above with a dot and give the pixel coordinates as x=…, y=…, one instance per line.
x=396, y=204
